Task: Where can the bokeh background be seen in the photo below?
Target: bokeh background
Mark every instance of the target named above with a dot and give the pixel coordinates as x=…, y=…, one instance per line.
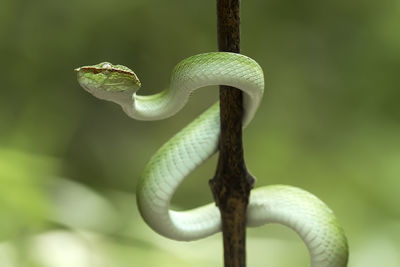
x=69, y=163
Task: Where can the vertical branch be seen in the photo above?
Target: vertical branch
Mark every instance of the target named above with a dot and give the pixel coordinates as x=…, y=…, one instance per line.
x=231, y=184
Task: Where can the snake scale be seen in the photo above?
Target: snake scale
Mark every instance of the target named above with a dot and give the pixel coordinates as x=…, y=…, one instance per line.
x=175, y=160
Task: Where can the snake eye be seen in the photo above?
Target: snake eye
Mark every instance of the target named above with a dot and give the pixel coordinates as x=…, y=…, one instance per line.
x=107, y=68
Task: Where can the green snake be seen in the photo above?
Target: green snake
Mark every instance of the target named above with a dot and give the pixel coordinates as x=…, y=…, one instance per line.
x=176, y=159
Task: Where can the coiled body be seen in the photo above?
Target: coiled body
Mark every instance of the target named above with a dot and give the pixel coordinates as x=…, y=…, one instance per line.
x=173, y=162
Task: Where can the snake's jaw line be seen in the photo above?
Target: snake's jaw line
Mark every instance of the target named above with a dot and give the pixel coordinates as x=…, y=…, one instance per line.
x=108, y=82
x=174, y=161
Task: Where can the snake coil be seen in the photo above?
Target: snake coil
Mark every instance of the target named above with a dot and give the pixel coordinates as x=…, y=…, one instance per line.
x=176, y=159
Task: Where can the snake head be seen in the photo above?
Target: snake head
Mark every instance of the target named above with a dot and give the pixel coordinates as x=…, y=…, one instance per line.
x=111, y=82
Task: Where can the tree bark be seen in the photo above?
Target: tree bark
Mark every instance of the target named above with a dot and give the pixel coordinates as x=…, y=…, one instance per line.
x=232, y=183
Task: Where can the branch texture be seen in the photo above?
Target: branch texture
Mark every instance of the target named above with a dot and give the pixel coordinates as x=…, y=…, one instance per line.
x=232, y=183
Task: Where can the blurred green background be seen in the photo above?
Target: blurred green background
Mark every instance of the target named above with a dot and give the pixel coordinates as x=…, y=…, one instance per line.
x=69, y=163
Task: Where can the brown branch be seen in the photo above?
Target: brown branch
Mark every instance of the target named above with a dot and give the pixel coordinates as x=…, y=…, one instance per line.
x=232, y=183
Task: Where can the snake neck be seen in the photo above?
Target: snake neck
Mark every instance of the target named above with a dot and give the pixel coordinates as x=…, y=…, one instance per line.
x=218, y=68
x=154, y=107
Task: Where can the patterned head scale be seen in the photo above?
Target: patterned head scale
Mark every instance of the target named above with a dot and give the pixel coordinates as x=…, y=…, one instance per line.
x=108, y=81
